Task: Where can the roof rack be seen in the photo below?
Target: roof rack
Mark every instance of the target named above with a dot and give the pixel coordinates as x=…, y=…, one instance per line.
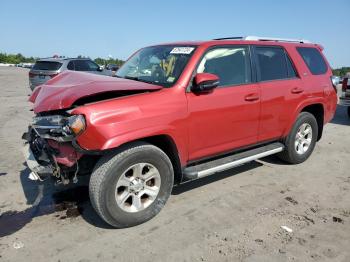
x=259, y=38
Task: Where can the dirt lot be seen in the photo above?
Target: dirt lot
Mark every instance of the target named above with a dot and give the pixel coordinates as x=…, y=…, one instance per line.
x=233, y=216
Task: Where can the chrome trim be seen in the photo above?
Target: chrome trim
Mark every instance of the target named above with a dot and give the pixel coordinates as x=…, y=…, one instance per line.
x=238, y=162
x=264, y=38
x=46, y=127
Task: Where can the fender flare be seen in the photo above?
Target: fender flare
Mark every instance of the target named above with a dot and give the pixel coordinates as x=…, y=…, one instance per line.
x=299, y=109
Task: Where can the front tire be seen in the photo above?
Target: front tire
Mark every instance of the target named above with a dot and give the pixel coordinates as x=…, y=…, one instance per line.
x=130, y=186
x=301, y=141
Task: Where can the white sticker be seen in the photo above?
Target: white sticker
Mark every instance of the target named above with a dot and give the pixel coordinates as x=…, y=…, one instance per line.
x=182, y=50
x=170, y=79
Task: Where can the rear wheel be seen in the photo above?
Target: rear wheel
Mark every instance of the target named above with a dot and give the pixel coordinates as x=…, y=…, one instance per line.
x=349, y=111
x=301, y=140
x=132, y=185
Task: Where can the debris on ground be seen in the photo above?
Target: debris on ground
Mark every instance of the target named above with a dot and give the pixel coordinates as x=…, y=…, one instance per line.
x=309, y=219
x=18, y=245
x=290, y=199
x=313, y=209
x=289, y=230
x=337, y=219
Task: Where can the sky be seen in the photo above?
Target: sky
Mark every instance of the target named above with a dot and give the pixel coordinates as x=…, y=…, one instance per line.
x=100, y=28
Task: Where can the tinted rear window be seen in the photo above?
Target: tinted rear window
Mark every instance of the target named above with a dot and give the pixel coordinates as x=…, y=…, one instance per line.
x=46, y=65
x=313, y=60
x=272, y=63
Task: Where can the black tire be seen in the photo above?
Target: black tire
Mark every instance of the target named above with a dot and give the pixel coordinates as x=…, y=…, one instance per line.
x=290, y=153
x=108, y=170
x=348, y=111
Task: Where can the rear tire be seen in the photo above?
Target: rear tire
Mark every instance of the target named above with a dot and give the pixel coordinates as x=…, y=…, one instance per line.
x=301, y=140
x=130, y=186
x=348, y=111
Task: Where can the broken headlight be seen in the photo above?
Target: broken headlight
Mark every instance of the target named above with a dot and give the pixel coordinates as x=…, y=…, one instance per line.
x=60, y=128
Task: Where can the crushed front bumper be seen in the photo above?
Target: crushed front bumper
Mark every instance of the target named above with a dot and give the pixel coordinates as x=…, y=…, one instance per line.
x=37, y=169
x=50, y=158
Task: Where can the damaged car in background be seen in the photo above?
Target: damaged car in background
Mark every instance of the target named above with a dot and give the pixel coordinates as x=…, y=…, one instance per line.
x=177, y=112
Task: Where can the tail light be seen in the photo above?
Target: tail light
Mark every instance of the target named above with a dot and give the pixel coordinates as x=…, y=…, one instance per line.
x=345, y=84
x=31, y=75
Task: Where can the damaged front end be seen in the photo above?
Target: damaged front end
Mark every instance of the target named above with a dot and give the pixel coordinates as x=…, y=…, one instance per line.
x=49, y=149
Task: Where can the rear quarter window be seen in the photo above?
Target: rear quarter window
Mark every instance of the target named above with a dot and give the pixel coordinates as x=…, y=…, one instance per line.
x=47, y=65
x=313, y=59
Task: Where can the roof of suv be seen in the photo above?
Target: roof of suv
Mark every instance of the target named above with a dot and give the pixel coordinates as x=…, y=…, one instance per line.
x=60, y=59
x=248, y=39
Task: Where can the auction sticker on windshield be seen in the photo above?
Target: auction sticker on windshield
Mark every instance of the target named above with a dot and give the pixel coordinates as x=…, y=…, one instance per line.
x=182, y=50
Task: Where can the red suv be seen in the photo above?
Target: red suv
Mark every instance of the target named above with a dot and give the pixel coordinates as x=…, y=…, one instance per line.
x=176, y=112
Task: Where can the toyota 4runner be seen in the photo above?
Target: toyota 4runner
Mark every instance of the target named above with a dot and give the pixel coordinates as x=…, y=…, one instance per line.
x=177, y=112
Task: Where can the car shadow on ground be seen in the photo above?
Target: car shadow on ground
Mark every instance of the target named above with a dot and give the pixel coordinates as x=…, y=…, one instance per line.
x=341, y=116
x=68, y=202
x=44, y=198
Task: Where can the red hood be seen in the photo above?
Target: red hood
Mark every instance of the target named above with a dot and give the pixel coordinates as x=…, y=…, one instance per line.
x=63, y=90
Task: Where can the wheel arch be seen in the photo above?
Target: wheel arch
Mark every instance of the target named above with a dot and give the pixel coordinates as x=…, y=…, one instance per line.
x=167, y=145
x=317, y=110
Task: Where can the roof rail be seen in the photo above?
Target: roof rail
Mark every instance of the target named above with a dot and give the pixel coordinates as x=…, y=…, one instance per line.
x=228, y=38
x=260, y=38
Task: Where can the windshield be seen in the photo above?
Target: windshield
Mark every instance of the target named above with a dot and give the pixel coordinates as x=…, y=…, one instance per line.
x=161, y=65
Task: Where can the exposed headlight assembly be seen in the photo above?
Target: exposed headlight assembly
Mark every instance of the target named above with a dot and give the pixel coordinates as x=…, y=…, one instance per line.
x=60, y=128
x=76, y=124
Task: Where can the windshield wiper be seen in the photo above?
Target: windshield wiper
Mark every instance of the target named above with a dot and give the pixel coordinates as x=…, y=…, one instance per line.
x=139, y=79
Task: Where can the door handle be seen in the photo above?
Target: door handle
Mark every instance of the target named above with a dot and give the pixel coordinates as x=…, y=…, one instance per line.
x=297, y=90
x=251, y=97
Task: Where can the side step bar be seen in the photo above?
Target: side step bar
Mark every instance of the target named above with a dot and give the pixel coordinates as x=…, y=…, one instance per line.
x=228, y=162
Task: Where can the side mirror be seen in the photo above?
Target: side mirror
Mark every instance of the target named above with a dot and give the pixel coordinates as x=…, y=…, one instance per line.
x=100, y=69
x=204, y=82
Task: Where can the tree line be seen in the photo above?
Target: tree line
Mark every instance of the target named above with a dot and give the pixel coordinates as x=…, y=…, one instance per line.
x=19, y=58
x=341, y=71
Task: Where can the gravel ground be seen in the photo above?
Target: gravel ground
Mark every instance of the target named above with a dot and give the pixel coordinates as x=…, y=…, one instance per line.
x=233, y=216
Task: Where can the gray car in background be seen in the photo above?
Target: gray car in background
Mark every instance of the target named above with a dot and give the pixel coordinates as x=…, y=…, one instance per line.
x=47, y=68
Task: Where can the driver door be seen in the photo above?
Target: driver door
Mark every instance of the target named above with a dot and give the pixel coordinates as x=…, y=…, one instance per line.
x=228, y=117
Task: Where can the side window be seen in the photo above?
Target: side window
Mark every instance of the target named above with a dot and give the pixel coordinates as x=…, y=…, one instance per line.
x=92, y=66
x=230, y=64
x=85, y=65
x=313, y=60
x=272, y=63
x=80, y=65
x=290, y=68
x=70, y=65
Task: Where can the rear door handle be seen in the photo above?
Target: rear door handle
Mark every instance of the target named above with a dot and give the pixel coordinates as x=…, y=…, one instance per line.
x=297, y=90
x=251, y=97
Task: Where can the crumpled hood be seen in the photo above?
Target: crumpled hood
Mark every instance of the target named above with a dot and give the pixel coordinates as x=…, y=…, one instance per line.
x=63, y=90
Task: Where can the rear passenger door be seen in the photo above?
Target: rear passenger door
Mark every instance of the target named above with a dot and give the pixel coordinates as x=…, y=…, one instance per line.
x=281, y=90
x=228, y=117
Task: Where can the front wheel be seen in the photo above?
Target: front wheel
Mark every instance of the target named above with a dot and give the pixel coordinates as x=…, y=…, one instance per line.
x=132, y=185
x=301, y=140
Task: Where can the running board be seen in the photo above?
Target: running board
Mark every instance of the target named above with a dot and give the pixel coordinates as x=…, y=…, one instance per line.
x=228, y=162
